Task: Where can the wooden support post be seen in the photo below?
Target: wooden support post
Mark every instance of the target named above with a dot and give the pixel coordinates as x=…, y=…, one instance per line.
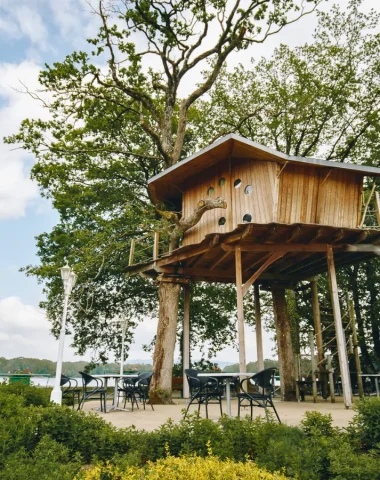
x=367, y=204
x=186, y=338
x=298, y=376
x=156, y=246
x=351, y=314
x=259, y=332
x=377, y=202
x=240, y=310
x=340, y=340
x=313, y=366
x=317, y=322
x=331, y=379
x=131, y=253
x=321, y=367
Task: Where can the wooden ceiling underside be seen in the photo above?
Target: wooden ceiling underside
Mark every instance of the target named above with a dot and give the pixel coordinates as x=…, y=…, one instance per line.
x=302, y=248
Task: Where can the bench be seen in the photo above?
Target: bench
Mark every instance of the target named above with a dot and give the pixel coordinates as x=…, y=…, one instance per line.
x=177, y=385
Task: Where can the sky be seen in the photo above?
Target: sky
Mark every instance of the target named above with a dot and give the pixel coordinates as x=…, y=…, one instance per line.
x=32, y=33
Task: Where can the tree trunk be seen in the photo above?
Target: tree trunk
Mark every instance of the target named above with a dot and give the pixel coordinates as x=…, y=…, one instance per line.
x=367, y=361
x=161, y=385
x=284, y=344
x=370, y=271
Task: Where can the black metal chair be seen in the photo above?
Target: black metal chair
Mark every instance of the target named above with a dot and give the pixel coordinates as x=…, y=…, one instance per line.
x=257, y=390
x=142, y=387
x=70, y=388
x=203, y=389
x=136, y=388
x=97, y=392
x=128, y=389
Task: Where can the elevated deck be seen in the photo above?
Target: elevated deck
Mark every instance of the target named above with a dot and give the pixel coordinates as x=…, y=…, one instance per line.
x=301, y=253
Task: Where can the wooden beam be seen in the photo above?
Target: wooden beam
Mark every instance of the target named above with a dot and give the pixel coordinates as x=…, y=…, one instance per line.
x=240, y=311
x=367, y=204
x=377, y=203
x=276, y=247
x=181, y=280
x=177, y=257
x=239, y=235
x=131, y=252
x=186, y=337
x=263, y=267
x=257, y=262
x=302, y=247
x=259, y=331
x=220, y=260
x=341, y=343
x=156, y=246
x=360, y=248
x=295, y=233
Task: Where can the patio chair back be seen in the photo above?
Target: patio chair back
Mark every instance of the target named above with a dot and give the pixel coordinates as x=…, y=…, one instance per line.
x=264, y=379
x=144, y=378
x=70, y=389
x=98, y=392
x=64, y=380
x=192, y=378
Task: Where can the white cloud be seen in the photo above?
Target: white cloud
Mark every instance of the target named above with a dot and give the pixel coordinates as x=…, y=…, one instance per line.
x=31, y=25
x=25, y=331
x=21, y=21
x=16, y=188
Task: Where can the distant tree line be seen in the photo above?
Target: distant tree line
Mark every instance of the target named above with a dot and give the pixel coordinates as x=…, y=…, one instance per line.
x=71, y=369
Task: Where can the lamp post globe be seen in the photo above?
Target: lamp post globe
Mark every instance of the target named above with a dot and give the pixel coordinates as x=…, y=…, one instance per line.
x=69, y=279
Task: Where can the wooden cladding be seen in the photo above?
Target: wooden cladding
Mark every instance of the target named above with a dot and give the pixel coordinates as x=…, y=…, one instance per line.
x=214, y=221
x=258, y=191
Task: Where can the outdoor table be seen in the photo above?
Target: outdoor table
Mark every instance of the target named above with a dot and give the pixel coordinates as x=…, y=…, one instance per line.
x=117, y=377
x=376, y=375
x=227, y=377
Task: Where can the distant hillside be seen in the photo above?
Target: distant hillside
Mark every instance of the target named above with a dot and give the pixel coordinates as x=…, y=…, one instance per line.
x=71, y=369
x=252, y=366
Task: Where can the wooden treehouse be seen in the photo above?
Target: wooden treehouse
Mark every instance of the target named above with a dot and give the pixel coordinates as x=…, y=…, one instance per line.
x=286, y=219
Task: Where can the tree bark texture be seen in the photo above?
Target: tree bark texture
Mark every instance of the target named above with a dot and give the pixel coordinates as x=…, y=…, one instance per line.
x=367, y=361
x=373, y=309
x=284, y=344
x=161, y=385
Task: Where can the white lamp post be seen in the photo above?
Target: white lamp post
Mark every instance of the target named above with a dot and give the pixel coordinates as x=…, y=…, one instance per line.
x=124, y=325
x=69, y=278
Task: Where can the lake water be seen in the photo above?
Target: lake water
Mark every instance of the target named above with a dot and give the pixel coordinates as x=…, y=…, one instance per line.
x=49, y=381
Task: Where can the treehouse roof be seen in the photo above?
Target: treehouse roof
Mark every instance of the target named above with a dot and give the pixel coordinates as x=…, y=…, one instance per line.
x=169, y=183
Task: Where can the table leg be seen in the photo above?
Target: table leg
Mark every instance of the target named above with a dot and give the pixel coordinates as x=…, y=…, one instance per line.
x=115, y=393
x=228, y=396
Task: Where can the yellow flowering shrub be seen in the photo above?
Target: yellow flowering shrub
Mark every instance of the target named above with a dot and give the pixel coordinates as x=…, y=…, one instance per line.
x=184, y=468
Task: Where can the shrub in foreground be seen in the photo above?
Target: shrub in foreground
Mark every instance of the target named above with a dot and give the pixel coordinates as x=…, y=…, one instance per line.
x=37, y=396
x=365, y=426
x=189, y=468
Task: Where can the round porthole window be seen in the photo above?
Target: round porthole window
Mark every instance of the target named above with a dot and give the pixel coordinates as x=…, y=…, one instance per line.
x=221, y=182
x=248, y=189
x=247, y=218
x=210, y=191
x=237, y=183
x=221, y=221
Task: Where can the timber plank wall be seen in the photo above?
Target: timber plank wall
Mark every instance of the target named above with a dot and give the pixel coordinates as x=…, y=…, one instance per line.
x=271, y=192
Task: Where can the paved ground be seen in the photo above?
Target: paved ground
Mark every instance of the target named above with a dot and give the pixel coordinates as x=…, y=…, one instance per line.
x=290, y=413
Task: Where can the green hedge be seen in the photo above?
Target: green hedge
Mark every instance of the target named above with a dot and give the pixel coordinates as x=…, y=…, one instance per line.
x=70, y=439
